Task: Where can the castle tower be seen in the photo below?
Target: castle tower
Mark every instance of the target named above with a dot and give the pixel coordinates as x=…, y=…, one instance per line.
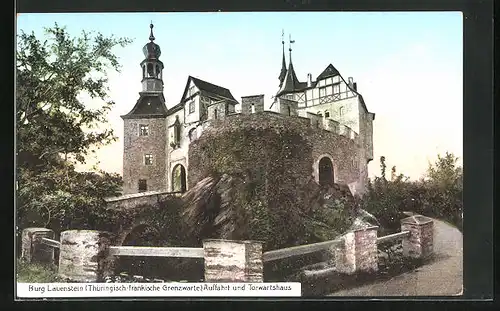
x=145, y=133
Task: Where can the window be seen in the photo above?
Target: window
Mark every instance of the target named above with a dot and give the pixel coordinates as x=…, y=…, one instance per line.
x=341, y=111
x=322, y=92
x=191, y=107
x=148, y=159
x=190, y=91
x=150, y=70
x=253, y=108
x=327, y=114
x=177, y=132
x=289, y=111
x=143, y=185
x=215, y=113
x=320, y=114
x=336, y=88
x=143, y=130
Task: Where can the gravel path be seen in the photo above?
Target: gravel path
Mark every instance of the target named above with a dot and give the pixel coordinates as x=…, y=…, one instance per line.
x=441, y=277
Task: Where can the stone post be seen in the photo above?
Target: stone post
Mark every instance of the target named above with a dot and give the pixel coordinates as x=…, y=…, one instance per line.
x=419, y=244
x=84, y=255
x=33, y=250
x=357, y=251
x=233, y=261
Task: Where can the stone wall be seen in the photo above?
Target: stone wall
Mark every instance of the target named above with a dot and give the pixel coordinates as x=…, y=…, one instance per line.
x=287, y=106
x=83, y=255
x=317, y=143
x=233, y=261
x=421, y=240
x=247, y=101
x=131, y=201
x=135, y=147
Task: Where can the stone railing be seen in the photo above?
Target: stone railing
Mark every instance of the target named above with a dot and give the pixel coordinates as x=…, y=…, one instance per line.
x=85, y=254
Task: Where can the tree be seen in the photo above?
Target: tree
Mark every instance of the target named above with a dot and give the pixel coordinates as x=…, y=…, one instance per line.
x=51, y=78
x=56, y=127
x=445, y=172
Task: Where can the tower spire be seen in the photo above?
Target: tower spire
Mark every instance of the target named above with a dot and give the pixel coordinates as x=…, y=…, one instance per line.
x=290, y=47
x=151, y=36
x=283, y=63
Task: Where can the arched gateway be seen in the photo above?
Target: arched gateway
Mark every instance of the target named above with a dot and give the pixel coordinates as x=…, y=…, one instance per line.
x=325, y=170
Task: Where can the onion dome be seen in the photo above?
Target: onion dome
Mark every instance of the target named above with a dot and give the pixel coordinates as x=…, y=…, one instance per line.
x=151, y=50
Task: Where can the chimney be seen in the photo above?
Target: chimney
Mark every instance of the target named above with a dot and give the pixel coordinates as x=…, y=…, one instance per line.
x=309, y=80
x=355, y=86
x=351, y=81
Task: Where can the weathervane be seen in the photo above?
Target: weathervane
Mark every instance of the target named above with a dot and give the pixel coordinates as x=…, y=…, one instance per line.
x=283, y=36
x=291, y=41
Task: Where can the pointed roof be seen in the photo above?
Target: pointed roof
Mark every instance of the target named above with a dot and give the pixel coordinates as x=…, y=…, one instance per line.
x=329, y=71
x=208, y=89
x=148, y=105
x=283, y=65
x=291, y=83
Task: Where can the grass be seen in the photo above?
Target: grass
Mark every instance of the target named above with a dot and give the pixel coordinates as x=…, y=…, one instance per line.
x=36, y=273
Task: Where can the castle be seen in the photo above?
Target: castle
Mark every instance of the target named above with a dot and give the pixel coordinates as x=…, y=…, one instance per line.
x=156, y=139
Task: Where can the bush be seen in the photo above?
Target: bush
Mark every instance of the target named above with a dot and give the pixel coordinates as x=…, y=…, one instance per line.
x=36, y=273
x=438, y=196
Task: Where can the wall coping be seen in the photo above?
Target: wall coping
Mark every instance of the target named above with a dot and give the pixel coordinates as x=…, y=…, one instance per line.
x=234, y=241
x=416, y=219
x=138, y=195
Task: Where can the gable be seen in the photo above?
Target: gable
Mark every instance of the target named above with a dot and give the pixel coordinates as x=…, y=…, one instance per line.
x=329, y=71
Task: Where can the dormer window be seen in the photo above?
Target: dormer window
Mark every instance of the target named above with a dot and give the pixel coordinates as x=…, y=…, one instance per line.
x=143, y=130
x=191, y=107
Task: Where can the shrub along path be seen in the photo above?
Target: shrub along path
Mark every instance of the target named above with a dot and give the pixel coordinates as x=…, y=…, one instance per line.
x=443, y=276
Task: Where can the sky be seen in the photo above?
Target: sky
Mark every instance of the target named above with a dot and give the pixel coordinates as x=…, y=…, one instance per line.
x=408, y=67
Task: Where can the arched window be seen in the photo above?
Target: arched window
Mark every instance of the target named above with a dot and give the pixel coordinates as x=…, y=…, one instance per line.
x=157, y=70
x=150, y=70
x=327, y=114
x=179, y=178
x=325, y=169
x=192, y=134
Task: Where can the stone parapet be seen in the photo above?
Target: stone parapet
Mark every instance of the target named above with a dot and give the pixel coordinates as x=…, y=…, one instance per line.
x=420, y=243
x=233, y=261
x=84, y=256
x=357, y=251
x=33, y=250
